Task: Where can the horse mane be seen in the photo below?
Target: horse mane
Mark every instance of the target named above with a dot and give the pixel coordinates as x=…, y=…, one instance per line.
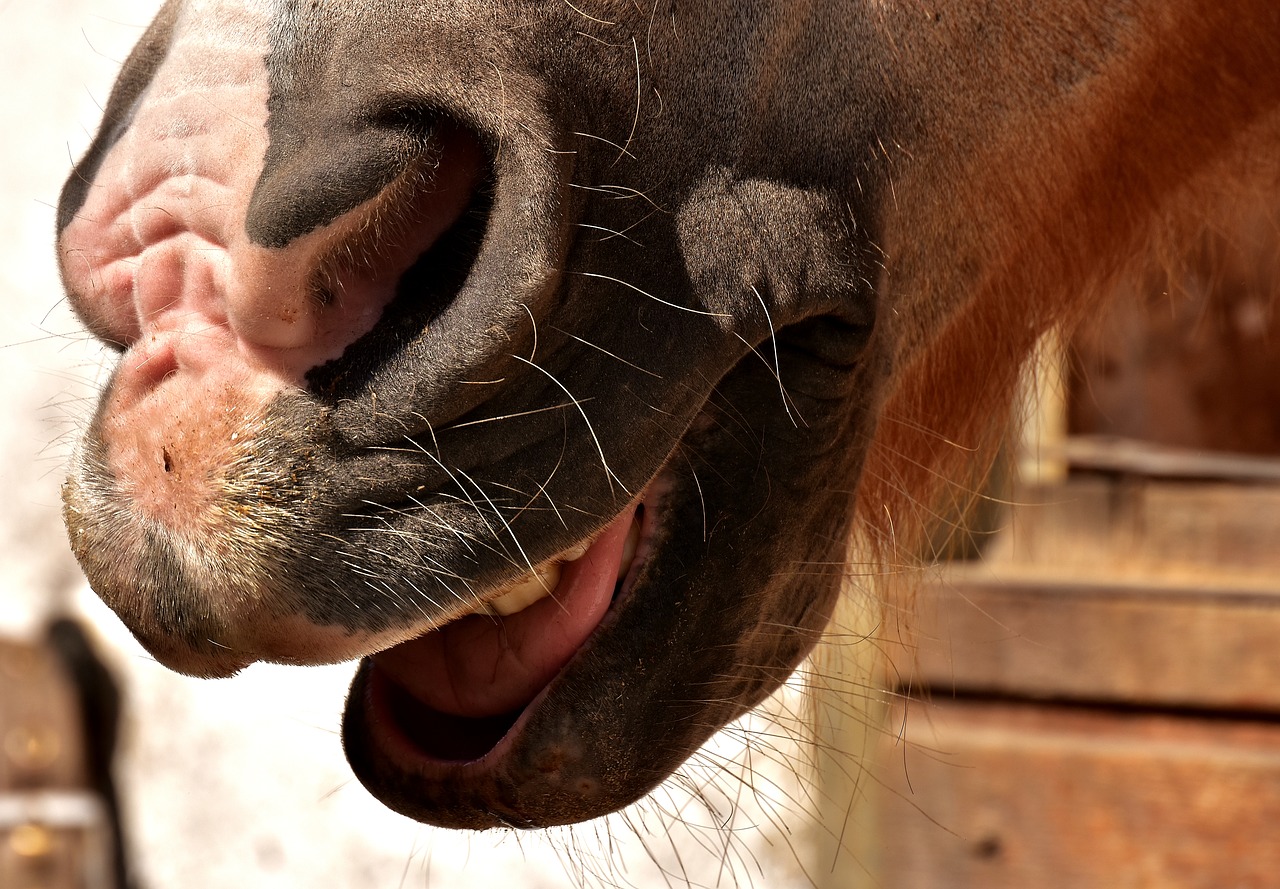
x=949, y=416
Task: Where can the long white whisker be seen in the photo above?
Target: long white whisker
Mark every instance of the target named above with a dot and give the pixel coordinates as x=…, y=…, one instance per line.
x=609, y=473
x=652, y=297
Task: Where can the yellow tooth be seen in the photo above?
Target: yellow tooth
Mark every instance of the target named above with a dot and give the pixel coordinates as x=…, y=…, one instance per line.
x=541, y=582
x=629, y=549
x=577, y=552
x=524, y=592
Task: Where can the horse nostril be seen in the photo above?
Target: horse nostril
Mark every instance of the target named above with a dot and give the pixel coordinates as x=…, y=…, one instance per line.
x=418, y=257
x=299, y=302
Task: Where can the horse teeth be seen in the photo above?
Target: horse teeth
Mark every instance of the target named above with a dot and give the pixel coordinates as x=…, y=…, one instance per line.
x=531, y=588
x=536, y=585
x=577, y=552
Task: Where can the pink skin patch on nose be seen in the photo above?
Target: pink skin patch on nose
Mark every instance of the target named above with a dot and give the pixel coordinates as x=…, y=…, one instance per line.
x=171, y=445
x=214, y=326
x=215, y=335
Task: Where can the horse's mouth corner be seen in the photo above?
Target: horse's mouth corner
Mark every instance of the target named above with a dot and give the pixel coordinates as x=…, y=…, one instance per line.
x=446, y=710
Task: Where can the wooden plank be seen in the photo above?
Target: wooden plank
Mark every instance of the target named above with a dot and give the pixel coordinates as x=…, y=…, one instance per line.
x=1128, y=456
x=1131, y=527
x=1001, y=797
x=41, y=739
x=1141, y=644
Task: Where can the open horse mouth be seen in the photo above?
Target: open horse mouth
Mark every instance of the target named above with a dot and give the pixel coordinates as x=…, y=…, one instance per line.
x=491, y=663
x=449, y=706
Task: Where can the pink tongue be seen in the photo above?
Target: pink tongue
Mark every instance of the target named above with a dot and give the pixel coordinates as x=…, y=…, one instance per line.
x=484, y=666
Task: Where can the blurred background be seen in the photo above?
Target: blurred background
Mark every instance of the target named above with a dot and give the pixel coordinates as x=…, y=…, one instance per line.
x=1094, y=702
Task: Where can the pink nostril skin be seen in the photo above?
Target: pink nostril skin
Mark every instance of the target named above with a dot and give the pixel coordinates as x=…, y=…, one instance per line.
x=162, y=254
x=195, y=278
x=157, y=250
x=157, y=258
x=268, y=306
x=216, y=327
x=147, y=368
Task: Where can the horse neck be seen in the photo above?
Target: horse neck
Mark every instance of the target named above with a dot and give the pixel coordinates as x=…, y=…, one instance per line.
x=1048, y=150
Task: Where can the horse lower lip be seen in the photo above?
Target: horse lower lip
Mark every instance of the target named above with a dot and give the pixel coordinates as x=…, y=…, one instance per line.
x=494, y=771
